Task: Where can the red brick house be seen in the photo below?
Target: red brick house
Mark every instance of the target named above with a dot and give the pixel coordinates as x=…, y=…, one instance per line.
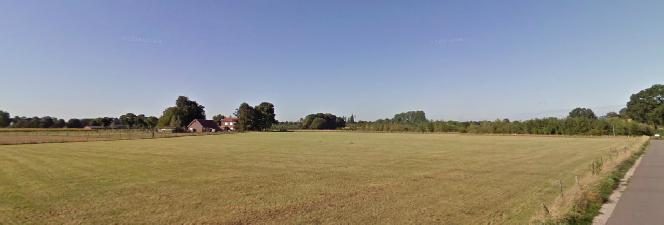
x=228, y=123
x=200, y=126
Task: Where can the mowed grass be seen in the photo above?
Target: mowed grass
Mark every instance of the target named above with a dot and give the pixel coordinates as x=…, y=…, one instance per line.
x=288, y=178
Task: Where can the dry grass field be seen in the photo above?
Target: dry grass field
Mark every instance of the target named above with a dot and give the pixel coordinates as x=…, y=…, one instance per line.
x=12, y=136
x=297, y=177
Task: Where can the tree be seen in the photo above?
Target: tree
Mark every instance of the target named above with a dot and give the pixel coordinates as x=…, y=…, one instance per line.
x=74, y=123
x=187, y=111
x=318, y=123
x=582, y=113
x=265, y=116
x=129, y=119
x=657, y=115
x=340, y=122
x=182, y=114
x=168, y=118
x=641, y=106
x=5, y=119
x=218, y=117
x=151, y=121
x=410, y=117
x=60, y=123
x=245, y=115
x=322, y=121
x=46, y=122
x=351, y=119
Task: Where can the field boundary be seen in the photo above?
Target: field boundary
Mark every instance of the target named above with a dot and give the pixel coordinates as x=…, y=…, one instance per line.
x=66, y=136
x=607, y=208
x=589, y=195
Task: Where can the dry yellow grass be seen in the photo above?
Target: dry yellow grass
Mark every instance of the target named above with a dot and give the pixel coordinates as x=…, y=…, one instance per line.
x=286, y=178
x=587, y=184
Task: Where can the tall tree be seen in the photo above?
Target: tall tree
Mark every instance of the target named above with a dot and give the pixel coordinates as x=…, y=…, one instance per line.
x=582, y=113
x=182, y=114
x=168, y=118
x=641, y=106
x=245, y=115
x=187, y=111
x=5, y=119
x=265, y=116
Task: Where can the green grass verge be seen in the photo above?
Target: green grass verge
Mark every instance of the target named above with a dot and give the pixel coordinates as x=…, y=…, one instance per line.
x=587, y=208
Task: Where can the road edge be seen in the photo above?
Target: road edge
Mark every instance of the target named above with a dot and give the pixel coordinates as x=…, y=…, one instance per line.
x=607, y=208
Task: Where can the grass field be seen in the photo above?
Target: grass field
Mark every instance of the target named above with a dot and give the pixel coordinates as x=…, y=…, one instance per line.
x=12, y=136
x=296, y=177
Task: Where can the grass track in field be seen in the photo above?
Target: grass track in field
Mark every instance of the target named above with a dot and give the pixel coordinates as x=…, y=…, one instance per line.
x=297, y=177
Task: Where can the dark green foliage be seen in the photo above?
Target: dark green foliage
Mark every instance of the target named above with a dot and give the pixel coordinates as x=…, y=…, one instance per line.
x=582, y=113
x=323, y=121
x=410, y=117
x=46, y=122
x=151, y=121
x=74, y=123
x=36, y=122
x=5, y=119
x=264, y=117
x=647, y=105
x=129, y=119
x=287, y=125
x=187, y=111
x=259, y=118
x=246, y=116
x=544, y=126
x=182, y=113
x=320, y=124
x=218, y=117
x=168, y=118
x=60, y=123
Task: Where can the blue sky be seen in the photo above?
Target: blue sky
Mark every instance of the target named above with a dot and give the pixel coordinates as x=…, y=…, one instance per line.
x=459, y=60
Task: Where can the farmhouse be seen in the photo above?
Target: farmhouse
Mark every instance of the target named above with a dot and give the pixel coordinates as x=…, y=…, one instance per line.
x=228, y=123
x=200, y=126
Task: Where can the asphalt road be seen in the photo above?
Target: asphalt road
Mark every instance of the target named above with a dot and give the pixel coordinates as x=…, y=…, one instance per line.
x=643, y=201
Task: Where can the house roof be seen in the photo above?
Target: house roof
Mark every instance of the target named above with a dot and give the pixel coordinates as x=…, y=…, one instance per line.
x=229, y=119
x=206, y=123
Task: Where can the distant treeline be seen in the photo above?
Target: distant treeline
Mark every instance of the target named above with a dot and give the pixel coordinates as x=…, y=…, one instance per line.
x=258, y=118
x=544, y=126
x=643, y=115
x=128, y=120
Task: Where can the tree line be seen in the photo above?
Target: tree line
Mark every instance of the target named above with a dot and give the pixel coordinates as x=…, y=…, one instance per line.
x=543, y=126
x=258, y=118
x=129, y=120
x=643, y=115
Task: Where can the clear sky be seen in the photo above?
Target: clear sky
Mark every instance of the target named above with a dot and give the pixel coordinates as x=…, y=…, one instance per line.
x=459, y=60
